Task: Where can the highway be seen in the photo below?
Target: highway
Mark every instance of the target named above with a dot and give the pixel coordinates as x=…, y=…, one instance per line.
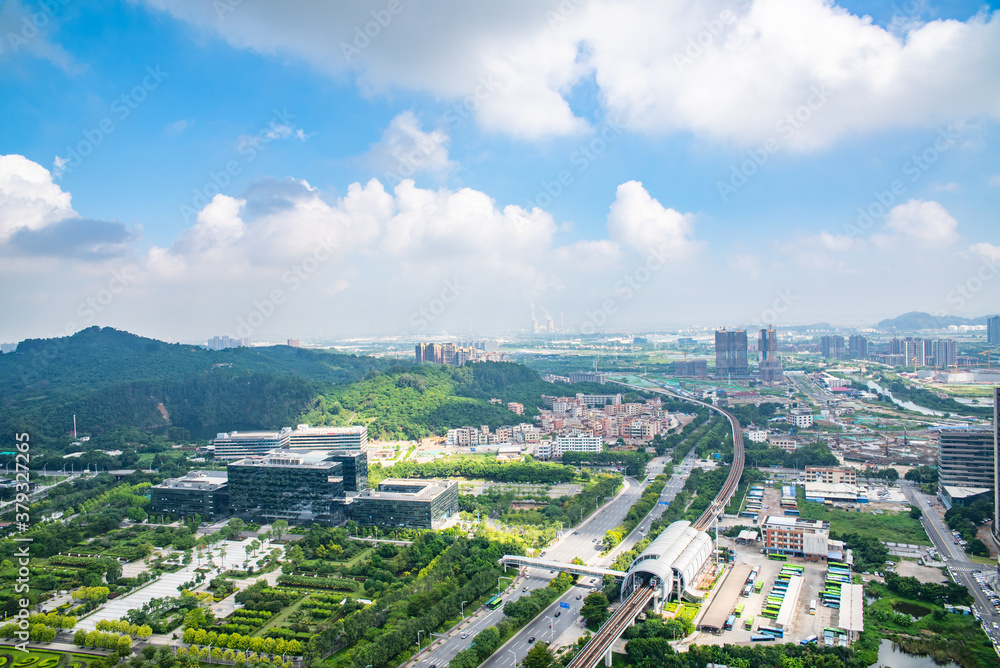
x=599, y=644
x=961, y=569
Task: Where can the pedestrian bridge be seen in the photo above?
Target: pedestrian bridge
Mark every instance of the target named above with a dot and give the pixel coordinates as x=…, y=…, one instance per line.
x=575, y=569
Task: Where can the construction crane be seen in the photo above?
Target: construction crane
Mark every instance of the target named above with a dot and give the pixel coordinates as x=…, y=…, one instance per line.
x=914, y=360
x=987, y=353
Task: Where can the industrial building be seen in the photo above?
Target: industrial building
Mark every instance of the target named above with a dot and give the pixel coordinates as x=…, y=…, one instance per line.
x=831, y=474
x=965, y=457
x=204, y=493
x=835, y=492
x=409, y=504
x=731, y=353
x=672, y=561
x=296, y=486
x=796, y=537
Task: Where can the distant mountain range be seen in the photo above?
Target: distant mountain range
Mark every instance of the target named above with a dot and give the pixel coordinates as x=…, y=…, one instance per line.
x=917, y=320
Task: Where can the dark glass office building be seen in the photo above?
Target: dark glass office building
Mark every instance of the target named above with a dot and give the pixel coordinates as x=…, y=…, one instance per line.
x=355, y=464
x=288, y=485
x=965, y=457
x=411, y=504
x=731, y=353
x=205, y=493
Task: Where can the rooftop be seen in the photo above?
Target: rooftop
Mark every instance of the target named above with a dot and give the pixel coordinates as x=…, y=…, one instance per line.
x=797, y=522
x=316, y=459
x=203, y=480
x=422, y=490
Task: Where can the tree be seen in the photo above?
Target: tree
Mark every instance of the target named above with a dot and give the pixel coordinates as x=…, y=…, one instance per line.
x=916, y=513
x=595, y=608
x=539, y=656
x=279, y=527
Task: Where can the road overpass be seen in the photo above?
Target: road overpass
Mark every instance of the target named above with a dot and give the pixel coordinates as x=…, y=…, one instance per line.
x=552, y=565
x=661, y=570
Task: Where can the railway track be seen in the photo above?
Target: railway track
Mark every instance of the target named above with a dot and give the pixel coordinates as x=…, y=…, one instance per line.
x=591, y=654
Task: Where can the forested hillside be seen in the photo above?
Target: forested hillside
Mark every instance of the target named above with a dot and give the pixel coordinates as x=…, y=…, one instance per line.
x=413, y=401
x=111, y=379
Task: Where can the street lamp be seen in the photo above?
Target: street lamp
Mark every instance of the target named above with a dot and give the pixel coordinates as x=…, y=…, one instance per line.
x=463, y=609
x=418, y=638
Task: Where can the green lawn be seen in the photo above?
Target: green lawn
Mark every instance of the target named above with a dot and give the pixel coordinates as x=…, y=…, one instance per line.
x=41, y=658
x=896, y=527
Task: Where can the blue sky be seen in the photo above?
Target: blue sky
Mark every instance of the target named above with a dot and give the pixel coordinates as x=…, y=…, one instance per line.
x=485, y=108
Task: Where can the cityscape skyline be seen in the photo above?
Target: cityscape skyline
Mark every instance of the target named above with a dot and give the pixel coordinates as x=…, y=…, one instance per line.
x=197, y=172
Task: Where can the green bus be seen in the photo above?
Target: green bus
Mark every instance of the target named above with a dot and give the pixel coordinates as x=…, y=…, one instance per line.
x=739, y=610
x=494, y=602
x=748, y=623
x=777, y=557
x=758, y=586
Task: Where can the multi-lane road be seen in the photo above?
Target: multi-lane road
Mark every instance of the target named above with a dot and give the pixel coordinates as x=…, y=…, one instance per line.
x=585, y=542
x=961, y=569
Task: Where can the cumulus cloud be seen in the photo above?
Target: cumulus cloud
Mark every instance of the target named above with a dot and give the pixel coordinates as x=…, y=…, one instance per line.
x=405, y=150
x=37, y=218
x=924, y=223
x=731, y=71
x=638, y=221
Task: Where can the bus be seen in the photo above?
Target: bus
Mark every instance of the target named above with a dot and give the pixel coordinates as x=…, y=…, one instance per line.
x=776, y=632
x=777, y=557
x=730, y=622
x=758, y=586
x=494, y=602
x=762, y=637
x=739, y=610
x=810, y=640
x=812, y=607
x=748, y=623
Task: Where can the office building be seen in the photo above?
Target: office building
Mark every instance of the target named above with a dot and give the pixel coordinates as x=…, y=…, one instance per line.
x=355, y=463
x=857, y=347
x=407, y=504
x=794, y=536
x=770, y=366
x=239, y=444
x=993, y=330
x=598, y=377
x=965, y=457
x=290, y=485
x=693, y=368
x=832, y=347
x=328, y=438
x=831, y=474
x=945, y=353
x=996, y=458
x=731, y=353
x=204, y=493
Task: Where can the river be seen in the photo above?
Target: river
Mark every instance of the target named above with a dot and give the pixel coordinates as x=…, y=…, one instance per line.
x=908, y=405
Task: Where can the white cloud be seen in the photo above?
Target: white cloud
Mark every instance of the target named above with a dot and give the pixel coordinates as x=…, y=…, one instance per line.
x=638, y=221
x=950, y=187
x=987, y=251
x=28, y=197
x=405, y=150
x=745, y=264
x=725, y=70
x=925, y=223
x=178, y=127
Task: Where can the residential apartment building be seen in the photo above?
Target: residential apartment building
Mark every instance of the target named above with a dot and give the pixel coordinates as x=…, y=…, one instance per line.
x=801, y=420
x=786, y=443
x=794, y=536
x=554, y=449
x=407, y=504
x=945, y=352
x=832, y=347
x=756, y=435
x=857, y=347
x=692, y=368
x=993, y=330
x=598, y=377
x=731, y=353
x=770, y=370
